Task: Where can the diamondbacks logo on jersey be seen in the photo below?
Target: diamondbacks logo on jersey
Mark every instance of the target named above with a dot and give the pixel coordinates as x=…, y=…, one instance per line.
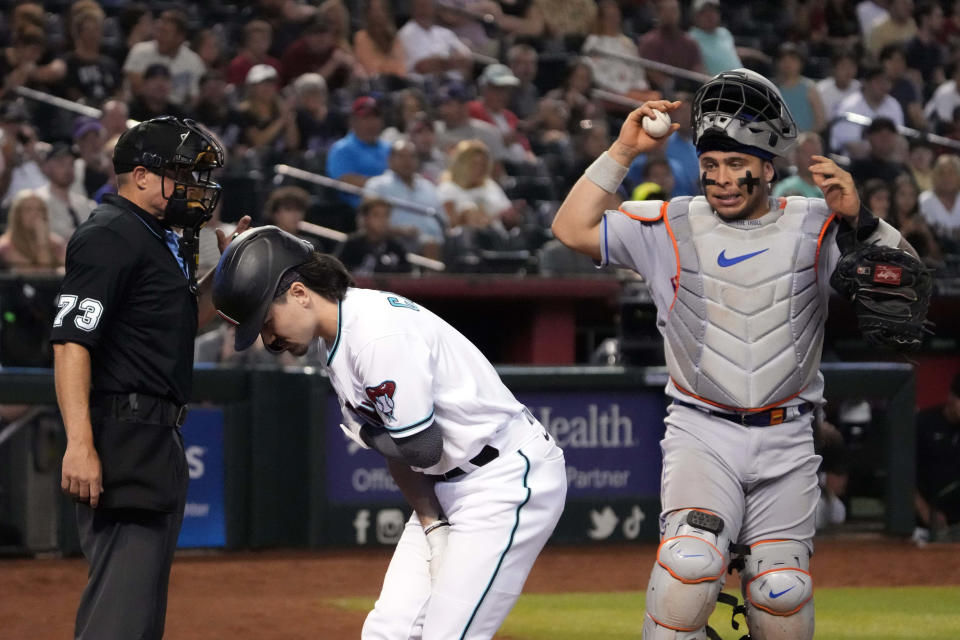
x=382, y=397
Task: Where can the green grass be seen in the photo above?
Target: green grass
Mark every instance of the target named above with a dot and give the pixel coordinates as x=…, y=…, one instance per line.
x=905, y=613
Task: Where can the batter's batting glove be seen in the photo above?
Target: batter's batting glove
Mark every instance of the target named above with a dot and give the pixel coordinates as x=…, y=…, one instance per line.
x=436, y=533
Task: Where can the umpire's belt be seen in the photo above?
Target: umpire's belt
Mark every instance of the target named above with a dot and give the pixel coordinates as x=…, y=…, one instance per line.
x=139, y=407
x=759, y=418
x=487, y=454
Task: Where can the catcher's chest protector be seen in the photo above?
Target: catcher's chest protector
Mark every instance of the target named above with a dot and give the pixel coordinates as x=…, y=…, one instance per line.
x=746, y=328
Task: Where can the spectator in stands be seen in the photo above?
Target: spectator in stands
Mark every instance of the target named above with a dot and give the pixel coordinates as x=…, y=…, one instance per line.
x=841, y=83
x=940, y=205
x=466, y=19
x=206, y=44
x=372, y=249
x=912, y=226
x=136, y=26
x=843, y=30
x=318, y=51
x=408, y=104
x=20, y=162
x=898, y=27
x=520, y=20
x=153, y=98
x=885, y=147
x=937, y=500
x=432, y=161
x=336, y=14
x=67, y=209
x=361, y=154
x=214, y=109
x=949, y=34
x=799, y=92
x=28, y=245
x=870, y=12
x=924, y=53
x=873, y=100
x=902, y=88
x=319, y=125
x=876, y=195
x=577, y=91
x=945, y=99
x=456, y=125
x=114, y=118
x=286, y=207
x=522, y=60
x=467, y=191
x=657, y=181
x=497, y=83
x=20, y=63
x=551, y=135
x=431, y=49
x=920, y=163
x=90, y=168
x=268, y=121
x=801, y=182
x=667, y=43
x=611, y=53
x=257, y=38
x=168, y=48
x=567, y=21
x=717, y=48
x=377, y=46
x=91, y=77
x=421, y=231
x=591, y=138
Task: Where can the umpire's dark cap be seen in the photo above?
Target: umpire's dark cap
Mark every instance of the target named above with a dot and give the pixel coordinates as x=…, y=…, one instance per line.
x=159, y=142
x=248, y=274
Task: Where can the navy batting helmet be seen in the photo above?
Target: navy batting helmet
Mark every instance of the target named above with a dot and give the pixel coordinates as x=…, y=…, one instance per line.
x=248, y=274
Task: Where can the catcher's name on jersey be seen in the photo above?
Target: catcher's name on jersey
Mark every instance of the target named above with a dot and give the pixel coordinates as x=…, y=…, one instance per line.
x=741, y=305
x=395, y=364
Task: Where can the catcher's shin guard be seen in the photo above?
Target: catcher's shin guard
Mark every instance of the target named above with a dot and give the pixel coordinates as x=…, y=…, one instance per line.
x=687, y=577
x=778, y=591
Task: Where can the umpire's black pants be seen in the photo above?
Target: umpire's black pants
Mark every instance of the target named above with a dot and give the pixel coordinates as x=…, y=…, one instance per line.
x=130, y=552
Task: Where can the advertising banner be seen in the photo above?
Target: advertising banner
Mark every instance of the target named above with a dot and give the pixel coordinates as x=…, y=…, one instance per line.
x=203, y=520
x=610, y=441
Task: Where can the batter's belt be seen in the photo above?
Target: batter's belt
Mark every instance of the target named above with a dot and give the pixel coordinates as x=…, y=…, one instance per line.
x=767, y=418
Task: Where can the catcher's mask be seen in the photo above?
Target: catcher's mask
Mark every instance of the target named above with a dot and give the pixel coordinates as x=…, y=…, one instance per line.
x=741, y=110
x=247, y=277
x=184, y=155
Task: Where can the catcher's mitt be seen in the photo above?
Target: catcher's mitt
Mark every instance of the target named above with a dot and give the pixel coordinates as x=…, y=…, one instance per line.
x=890, y=290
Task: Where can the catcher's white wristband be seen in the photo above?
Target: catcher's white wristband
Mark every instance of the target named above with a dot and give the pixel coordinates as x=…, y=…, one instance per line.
x=606, y=173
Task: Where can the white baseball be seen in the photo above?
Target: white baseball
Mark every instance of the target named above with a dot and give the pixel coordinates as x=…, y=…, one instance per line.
x=659, y=127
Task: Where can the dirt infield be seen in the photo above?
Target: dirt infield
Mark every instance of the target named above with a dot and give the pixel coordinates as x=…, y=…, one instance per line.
x=283, y=595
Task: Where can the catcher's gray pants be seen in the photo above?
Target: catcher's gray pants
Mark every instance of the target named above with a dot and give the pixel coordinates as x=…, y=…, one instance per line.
x=130, y=552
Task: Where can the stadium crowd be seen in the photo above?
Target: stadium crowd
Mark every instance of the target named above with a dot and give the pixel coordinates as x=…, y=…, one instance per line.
x=464, y=122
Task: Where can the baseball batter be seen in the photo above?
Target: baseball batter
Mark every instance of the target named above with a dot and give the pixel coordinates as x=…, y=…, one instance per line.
x=741, y=283
x=485, y=480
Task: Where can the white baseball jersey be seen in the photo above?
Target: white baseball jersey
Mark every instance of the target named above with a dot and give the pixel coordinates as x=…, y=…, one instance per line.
x=395, y=364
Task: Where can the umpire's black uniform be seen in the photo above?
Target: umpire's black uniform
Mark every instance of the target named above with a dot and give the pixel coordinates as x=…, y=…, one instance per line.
x=127, y=298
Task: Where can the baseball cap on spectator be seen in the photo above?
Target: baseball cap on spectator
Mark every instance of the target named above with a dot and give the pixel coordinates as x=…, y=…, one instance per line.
x=84, y=126
x=702, y=4
x=452, y=91
x=880, y=124
x=57, y=150
x=365, y=106
x=261, y=73
x=789, y=49
x=155, y=70
x=498, y=75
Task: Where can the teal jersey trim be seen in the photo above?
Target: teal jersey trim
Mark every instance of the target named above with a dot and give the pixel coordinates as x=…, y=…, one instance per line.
x=513, y=532
x=396, y=430
x=336, y=341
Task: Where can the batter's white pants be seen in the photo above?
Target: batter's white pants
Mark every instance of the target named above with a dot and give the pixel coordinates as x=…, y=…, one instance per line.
x=501, y=515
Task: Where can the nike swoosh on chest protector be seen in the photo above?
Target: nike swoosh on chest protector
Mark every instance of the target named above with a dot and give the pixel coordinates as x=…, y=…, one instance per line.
x=724, y=261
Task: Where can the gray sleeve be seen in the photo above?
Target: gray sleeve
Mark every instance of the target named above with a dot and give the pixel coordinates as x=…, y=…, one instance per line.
x=636, y=240
x=423, y=449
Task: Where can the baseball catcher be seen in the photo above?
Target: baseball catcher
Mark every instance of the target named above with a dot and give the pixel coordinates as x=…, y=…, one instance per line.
x=741, y=282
